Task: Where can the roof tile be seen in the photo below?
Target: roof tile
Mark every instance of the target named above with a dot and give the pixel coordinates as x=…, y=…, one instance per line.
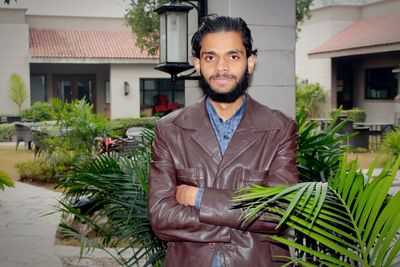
x=63, y=43
x=376, y=31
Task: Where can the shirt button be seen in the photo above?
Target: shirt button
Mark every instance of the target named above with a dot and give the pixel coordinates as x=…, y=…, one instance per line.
x=221, y=120
x=211, y=245
x=226, y=137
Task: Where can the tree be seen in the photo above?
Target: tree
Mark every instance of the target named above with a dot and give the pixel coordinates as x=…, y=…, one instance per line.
x=145, y=23
x=18, y=93
x=310, y=96
x=302, y=10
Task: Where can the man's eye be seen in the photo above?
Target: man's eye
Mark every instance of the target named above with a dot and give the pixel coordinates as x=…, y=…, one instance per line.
x=209, y=57
x=234, y=57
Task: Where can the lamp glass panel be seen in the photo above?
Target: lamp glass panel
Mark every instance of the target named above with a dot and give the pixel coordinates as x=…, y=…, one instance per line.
x=163, y=38
x=177, y=36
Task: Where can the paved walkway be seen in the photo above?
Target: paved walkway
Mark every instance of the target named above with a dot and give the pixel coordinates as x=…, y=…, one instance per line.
x=27, y=235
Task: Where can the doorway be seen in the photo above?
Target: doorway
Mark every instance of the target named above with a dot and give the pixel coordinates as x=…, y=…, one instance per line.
x=75, y=87
x=345, y=92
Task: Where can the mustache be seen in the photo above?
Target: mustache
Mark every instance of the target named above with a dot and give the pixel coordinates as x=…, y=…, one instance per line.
x=222, y=75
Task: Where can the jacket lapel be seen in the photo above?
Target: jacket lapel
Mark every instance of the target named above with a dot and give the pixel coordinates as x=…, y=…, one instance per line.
x=197, y=119
x=242, y=140
x=206, y=139
x=256, y=119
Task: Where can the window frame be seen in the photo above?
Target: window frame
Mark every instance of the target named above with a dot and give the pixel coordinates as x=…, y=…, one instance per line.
x=391, y=90
x=179, y=87
x=45, y=86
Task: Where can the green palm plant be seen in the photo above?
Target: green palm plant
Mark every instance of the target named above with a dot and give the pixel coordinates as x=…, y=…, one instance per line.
x=118, y=185
x=319, y=150
x=351, y=216
x=18, y=93
x=5, y=180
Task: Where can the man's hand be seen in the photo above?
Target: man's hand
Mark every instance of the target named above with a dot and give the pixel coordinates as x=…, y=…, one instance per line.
x=186, y=194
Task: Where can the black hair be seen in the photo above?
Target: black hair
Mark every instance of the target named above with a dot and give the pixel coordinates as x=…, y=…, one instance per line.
x=214, y=23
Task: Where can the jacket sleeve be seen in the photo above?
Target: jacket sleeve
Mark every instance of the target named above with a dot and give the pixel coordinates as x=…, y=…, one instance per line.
x=217, y=206
x=170, y=220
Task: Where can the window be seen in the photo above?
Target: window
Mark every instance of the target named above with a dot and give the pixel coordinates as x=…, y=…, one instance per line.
x=38, y=88
x=380, y=83
x=151, y=88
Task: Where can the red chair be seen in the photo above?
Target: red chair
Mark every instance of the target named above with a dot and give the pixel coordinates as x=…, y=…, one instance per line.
x=163, y=104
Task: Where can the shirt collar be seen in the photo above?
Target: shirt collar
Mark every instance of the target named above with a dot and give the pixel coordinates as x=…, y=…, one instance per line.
x=214, y=115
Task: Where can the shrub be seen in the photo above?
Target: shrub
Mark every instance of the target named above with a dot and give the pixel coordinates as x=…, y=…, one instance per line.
x=356, y=114
x=40, y=111
x=70, y=139
x=119, y=126
x=7, y=130
x=48, y=169
x=310, y=96
x=391, y=142
x=78, y=127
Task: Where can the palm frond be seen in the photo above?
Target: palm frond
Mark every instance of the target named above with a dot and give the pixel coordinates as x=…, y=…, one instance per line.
x=5, y=180
x=119, y=184
x=319, y=150
x=17, y=93
x=351, y=218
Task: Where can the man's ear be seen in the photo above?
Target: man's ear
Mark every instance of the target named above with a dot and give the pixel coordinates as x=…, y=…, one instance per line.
x=251, y=61
x=196, y=62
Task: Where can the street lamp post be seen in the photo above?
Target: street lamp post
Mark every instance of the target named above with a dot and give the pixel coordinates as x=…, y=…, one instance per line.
x=174, y=36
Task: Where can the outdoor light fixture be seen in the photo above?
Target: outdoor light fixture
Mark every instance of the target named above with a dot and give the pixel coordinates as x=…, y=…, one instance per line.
x=126, y=88
x=173, y=38
x=174, y=35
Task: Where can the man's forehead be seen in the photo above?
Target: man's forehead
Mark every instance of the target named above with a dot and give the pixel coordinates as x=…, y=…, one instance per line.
x=228, y=41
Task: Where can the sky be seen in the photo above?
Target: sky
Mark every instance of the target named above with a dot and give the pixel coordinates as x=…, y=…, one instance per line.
x=90, y=8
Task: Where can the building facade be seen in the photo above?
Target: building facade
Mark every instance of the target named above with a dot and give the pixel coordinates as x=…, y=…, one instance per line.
x=77, y=49
x=353, y=51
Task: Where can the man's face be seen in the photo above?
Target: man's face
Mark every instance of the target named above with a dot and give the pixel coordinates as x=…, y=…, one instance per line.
x=223, y=66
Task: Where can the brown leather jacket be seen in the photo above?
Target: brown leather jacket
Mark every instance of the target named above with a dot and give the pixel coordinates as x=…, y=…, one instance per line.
x=262, y=151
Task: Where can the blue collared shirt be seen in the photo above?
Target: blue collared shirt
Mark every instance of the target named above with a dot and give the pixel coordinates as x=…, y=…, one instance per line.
x=224, y=131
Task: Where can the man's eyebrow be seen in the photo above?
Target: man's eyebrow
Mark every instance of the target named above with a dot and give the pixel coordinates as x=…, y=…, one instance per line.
x=235, y=51
x=208, y=53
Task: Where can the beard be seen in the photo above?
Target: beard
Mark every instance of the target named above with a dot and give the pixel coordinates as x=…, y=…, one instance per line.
x=226, y=97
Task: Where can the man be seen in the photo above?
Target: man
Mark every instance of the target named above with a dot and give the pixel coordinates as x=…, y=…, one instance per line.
x=204, y=153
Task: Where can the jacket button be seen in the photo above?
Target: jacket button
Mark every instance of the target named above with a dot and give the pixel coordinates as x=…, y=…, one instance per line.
x=211, y=245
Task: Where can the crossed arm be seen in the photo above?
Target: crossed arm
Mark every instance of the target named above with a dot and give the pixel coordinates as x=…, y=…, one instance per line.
x=171, y=207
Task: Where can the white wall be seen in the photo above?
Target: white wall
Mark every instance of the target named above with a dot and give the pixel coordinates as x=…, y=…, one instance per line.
x=123, y=106
x=13, y=59
x=86, y=8
x=323, y=24
x=377, y=110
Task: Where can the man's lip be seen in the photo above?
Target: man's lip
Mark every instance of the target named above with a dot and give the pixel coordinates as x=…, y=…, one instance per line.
x=221, y=80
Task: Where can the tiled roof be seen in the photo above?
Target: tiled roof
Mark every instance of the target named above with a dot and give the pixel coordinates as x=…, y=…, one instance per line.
x=95, y=44
x=377, y=31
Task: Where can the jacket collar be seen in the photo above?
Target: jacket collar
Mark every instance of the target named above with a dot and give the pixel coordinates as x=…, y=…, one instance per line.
x=256, y=116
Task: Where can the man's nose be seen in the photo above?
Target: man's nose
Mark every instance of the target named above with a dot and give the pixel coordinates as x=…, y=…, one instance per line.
x=222, y=65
